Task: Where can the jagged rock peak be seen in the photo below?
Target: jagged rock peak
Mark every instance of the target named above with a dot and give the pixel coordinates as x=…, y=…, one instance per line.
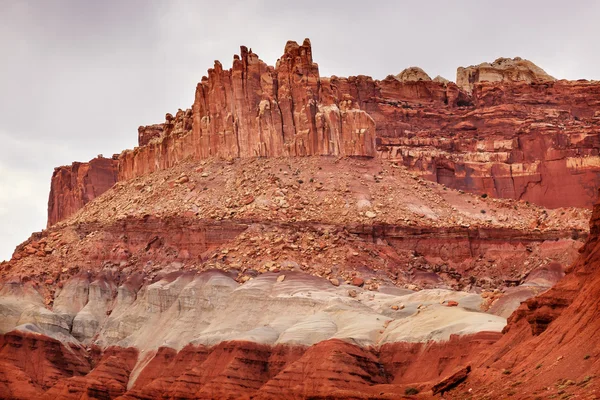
x=413, y=74
x=302, y=52
x=502, y=69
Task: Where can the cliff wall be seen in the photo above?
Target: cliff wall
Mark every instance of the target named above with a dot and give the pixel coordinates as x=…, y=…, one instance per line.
x=507, y=130
x=75, y=185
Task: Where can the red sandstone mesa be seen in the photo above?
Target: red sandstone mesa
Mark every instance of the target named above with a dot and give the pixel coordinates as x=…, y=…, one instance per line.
x=507, y=130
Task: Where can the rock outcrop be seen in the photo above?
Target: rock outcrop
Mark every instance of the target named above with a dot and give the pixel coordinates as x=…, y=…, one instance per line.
x=206, y=336
x=413, y=74
x=550, y=345
x=254, y=110
x=74, y=186
x=235, y=278
x=502, y=70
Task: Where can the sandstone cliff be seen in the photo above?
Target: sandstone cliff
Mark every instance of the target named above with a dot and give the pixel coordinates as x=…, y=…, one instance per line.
x=506, y=130
x=254, y=110
x=74, y=186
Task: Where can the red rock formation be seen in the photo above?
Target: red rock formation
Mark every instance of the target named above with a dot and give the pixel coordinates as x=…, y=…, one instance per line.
x=107, y=380
x=243, y=370
x=507, y=130
x=523, y=141
x=30, y=364
x=74, y=186
x=147, y=133
x=253, y=110
x=551, y=343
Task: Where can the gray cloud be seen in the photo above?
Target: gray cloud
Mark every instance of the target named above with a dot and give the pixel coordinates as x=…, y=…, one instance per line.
x=78, y=77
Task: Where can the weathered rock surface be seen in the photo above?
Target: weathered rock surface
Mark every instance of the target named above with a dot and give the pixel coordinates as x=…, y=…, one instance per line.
x=182, y=308
x=210, y=336
x=502, y=70
x=506, y=130
x=254, y=110
x=242, y=370
x=255, y=214
x=74, y=186
x=550, y=346
x=413, y=74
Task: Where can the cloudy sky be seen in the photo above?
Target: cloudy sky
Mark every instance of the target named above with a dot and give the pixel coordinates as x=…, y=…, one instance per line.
x=78, y=77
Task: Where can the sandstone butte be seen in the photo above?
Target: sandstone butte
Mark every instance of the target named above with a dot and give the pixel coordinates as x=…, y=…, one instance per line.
x=292, y=236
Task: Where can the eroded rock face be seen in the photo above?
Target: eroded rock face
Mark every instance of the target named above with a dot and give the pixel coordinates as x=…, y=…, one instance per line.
x=238, y=370
x=507, y=129
x=232, y=260
x=501, y=70
x=550, y=344
x=255, y=110
x=74, y=186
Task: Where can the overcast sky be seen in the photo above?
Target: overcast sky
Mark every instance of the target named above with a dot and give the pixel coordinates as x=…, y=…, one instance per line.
x=78, y=77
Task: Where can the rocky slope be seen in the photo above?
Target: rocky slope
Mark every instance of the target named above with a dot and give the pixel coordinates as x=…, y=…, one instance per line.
x=550, y=346
x=253, y=269
x=295, y=236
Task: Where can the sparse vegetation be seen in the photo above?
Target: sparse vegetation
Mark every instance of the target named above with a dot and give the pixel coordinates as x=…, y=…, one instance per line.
x=585, y=380
x=410, y=391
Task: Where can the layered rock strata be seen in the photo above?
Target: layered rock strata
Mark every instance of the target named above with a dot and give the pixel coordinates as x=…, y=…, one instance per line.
x=506, y=130
x=278, y=240
x=550, y=346
x=254, y=338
